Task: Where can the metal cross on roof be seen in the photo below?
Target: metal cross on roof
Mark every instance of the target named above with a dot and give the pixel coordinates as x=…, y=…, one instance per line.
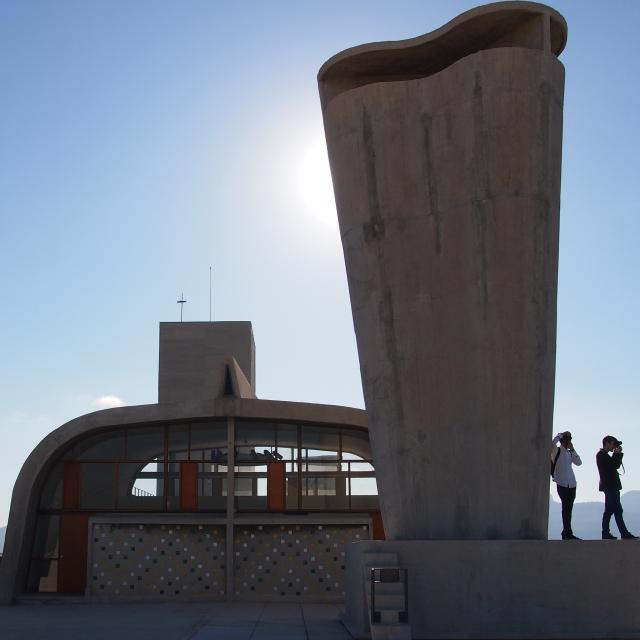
x=181, y=302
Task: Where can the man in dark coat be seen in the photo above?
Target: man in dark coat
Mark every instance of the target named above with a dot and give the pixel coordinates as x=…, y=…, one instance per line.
x=610, y=484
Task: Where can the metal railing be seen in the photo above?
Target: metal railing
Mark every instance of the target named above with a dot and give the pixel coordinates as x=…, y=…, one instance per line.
x=136, y=491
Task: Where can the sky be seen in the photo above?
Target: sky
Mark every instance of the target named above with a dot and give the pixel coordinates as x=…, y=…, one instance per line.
x=143, y=142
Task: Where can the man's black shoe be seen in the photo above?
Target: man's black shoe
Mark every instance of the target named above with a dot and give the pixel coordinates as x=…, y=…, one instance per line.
x=608, y=536
x=629, y=536
x=571, y=537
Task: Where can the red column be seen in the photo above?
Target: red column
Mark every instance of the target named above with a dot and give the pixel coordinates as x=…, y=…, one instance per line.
x=276, y=488
x=188, y=486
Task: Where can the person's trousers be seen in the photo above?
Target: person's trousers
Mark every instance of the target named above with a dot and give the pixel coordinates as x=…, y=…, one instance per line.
x=567, y=497
x=613, y=507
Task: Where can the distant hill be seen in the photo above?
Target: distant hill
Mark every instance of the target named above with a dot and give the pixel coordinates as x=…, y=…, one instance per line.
x=587, y=517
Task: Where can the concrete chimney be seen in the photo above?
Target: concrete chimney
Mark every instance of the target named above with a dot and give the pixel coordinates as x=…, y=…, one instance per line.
x=194, y=357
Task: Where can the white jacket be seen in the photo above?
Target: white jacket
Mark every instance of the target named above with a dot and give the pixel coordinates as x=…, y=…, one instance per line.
x=563, y=473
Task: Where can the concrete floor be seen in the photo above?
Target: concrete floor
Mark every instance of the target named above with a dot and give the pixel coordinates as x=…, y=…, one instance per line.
x=216, y=621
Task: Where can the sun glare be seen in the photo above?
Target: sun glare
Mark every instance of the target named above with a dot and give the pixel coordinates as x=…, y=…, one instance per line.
x=314, y=183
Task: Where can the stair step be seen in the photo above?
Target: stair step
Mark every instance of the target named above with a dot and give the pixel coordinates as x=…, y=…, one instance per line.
x=390, y=599
x=390, y=589
x=389, y=616
x=389, y=602
x=390, y=632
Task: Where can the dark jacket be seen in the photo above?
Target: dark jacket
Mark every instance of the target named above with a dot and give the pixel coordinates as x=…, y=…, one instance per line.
x=608, y=468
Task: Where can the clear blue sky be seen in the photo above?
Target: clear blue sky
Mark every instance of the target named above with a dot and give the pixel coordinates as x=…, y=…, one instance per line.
x=141, y=142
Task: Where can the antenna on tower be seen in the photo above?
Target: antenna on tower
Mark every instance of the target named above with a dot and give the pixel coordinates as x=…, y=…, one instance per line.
x=210, y=294
x=181, y=302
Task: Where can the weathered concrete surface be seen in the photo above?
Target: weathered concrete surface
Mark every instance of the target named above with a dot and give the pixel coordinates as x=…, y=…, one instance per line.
x=192, y=355
x=509, y=588
x=213, y=621
x=448, y=194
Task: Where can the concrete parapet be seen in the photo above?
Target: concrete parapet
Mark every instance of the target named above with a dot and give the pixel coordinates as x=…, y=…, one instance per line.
x=508, y=588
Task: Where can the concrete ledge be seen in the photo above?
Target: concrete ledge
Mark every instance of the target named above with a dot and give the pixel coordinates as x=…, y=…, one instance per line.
x=489, y=26
x=509, y=588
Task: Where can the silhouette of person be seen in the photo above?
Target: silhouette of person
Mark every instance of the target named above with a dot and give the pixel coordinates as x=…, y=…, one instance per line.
x=611, y=486
x=563, y=457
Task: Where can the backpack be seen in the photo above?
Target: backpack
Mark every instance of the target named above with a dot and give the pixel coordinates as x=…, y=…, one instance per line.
x=555, y=460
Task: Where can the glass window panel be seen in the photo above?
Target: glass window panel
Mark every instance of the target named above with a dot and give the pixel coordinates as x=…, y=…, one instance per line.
x=145, y=443
x=212, y=467
x=209, y=441
x=324, y=487
x=219, y=454
x=97, y=485
x=45, y=544
x=207, y=501
x=178, y=436
x=320, y=443
x=43, y=576
x=291, y=487
x=364, y=494
x=173, y=486
x=355, y=442
x=251, y=487
x=219, y=468
x=212, y=487
x=244, y=486
x=248, y=496
x=287, y=453
x=364, y=487
x=287, y=440
x=324, y=493
x=361, y=467
x=255, y=433
x=318, y=486
x=141, y=487
x=320, y=465
x=51, y=497
x=251, y=468
x=251, y=453
x=105, y=446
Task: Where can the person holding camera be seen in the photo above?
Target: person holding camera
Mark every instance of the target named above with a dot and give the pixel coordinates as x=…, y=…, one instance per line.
x=563, y=457
x=609, y=460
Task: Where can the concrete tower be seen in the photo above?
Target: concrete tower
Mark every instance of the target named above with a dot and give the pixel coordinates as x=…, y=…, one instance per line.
x=445, y=153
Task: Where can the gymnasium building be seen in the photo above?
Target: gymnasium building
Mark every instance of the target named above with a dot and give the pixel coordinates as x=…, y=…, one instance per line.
x=134, y=503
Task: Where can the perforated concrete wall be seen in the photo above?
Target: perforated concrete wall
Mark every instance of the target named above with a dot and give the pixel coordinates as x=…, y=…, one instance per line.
x=293, y=562
x=281, y=562
x=153, y=561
